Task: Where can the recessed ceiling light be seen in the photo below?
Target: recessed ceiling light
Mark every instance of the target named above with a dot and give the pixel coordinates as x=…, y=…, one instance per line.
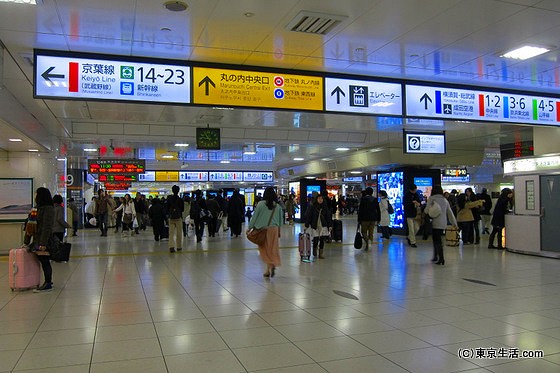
x=525, y=52
x=167, y=156
x=181, y=144
x=15, y=140
x=175, y=6
x=342, y=149
x=326, y=159
x=33, y=150
x=90, y=150
x=30, y=2
x=248, y=14
x=298, y=159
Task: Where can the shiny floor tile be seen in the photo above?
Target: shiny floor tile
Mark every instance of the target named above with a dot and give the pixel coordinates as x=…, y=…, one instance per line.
x=209, y=309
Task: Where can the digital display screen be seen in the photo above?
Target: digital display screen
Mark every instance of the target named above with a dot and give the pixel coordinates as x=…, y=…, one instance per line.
x=392, y=183
x=119, y=178
x=116, y=166
x=294, y=189
x=424, y=185
x=311, y=189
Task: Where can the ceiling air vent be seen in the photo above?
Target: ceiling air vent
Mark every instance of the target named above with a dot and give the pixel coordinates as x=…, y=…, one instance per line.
x=314, y=23
x=331, y=166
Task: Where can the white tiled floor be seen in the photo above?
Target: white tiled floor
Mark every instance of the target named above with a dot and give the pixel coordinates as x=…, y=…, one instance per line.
x=127, y=305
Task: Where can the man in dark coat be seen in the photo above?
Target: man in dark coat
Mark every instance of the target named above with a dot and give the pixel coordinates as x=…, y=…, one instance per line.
x=236, y=213
x=369, y=215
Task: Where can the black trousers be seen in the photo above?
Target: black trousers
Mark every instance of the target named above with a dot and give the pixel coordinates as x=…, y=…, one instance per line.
x=496, y=231
x=437, y=237
x=47, y=268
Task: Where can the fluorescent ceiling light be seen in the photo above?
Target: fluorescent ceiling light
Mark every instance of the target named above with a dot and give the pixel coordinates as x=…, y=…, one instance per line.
x=298, y=159
x=525, y=52
x=248, y=152
x=33, y=150
x=90, y=150
x=342, y=149
x=225, y=162
x=181, y=144
x=167, y=156
x=30, y=2
x=61, y=159
x=355, y=172
x=15, y=140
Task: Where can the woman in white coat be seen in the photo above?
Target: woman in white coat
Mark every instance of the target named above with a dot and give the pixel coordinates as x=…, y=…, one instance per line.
x=385, y=216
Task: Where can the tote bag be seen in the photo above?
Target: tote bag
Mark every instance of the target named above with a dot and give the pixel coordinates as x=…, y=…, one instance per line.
x=258, y=236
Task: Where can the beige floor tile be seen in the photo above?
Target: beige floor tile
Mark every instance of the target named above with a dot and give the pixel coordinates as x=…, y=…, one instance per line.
x=129, y=350
x=390, y=341
x=66, y=337
x=271, y=356
x=208, y=362
x=309, y=331
x=189, y=343
x=429, y=360
x=335, y=348
x=362, y=364
x=150, y=365
x=50, y=357
x=238, y=322
x=252, y=337
x=125, y=332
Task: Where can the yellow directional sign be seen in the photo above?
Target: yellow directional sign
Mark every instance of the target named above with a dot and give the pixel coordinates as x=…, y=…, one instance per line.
x=257, y=89
x=167, y=175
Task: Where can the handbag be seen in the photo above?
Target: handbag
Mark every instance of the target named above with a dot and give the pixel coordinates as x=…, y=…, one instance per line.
x=258, y=236
x=358, y=240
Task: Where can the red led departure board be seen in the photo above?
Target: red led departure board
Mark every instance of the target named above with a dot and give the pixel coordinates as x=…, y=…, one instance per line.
x=117, y=177
x=116, y=166
x=117, y=186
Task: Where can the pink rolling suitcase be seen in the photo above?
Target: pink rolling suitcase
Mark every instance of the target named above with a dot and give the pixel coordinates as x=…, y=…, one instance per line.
x=25, y=270
x=304, y=246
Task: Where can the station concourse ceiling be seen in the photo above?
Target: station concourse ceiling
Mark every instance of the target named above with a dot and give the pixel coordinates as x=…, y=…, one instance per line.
x=439, y=41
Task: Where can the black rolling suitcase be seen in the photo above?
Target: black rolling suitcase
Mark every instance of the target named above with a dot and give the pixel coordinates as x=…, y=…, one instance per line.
x=164, y=233
x=337, y=230
x=63, y=254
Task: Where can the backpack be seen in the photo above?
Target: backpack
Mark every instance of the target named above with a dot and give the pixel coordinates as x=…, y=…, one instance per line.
x=433, y=209
x=174, y=209
x=390, y=208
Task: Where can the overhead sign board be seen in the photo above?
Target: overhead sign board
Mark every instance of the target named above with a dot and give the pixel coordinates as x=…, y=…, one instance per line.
x=258, y=176
x=167, y=175
x=109, y=78
x=464, y=104
x=277, y=90
x=424, y=143
x=456, y=179
x=116, y=166
x=355, y=179
x=225, y=176
x=147, y=176
x=455, y=172
x=363, y=96
x=193, y=176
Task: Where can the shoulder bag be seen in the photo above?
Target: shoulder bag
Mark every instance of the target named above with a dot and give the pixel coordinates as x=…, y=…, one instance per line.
x=258, y=236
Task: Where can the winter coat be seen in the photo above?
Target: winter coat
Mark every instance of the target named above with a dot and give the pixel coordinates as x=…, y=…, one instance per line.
x=369, y=209
x=316, y=211
x=59, y=224
x=440, y=222
x=465, y=214
x=500, y=211
x=385, y=216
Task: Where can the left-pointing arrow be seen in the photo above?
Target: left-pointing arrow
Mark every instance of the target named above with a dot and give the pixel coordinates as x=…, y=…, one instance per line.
x=47, y=74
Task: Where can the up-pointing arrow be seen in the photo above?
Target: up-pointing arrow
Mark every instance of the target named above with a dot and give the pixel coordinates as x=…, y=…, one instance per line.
x=207, y=81
x=425, y=98
x=338, y=91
